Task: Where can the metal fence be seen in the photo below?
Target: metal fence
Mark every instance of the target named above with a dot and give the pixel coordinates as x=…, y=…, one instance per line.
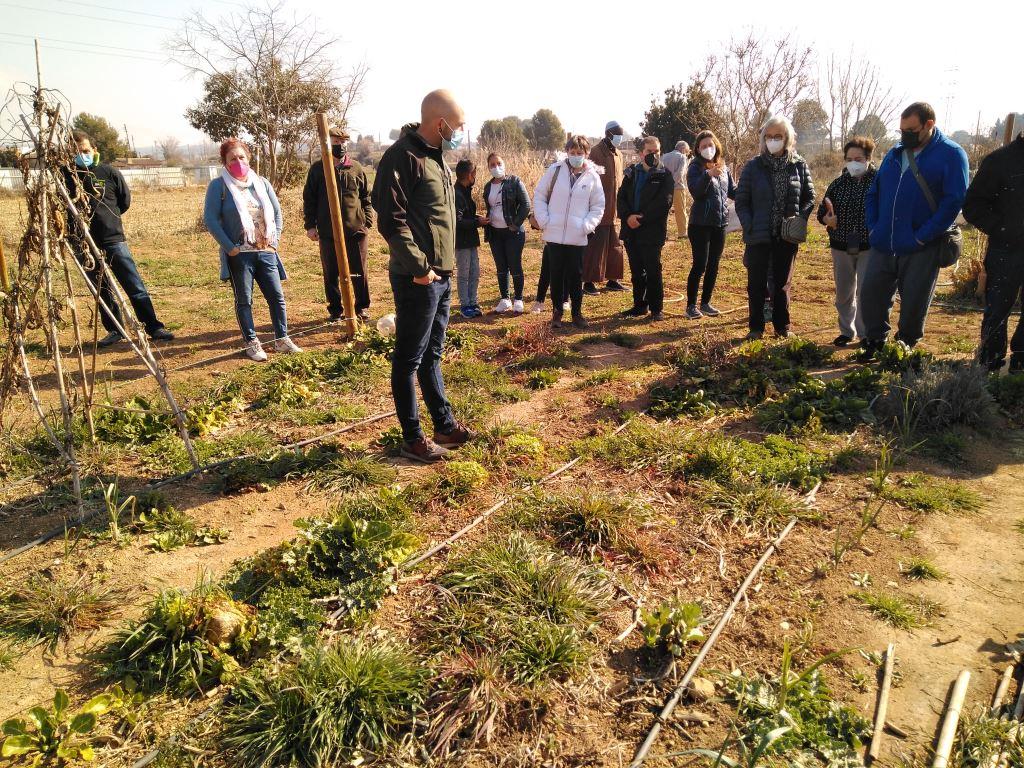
x=161, y=178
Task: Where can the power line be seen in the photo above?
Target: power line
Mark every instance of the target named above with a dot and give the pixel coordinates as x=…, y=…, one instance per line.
x=77, y=42
x=85, y=16
x=93, y=53
x=118, y=10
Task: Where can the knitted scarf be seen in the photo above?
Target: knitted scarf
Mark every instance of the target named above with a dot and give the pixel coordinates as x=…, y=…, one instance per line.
x=780, y=186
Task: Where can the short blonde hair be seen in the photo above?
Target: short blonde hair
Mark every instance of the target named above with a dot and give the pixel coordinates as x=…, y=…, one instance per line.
x=778, y=121
x=577, y=142
x=651, y=140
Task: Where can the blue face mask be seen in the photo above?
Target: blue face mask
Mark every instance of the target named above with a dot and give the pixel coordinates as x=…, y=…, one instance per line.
x=576, y=161
x=616, y=139
x=83, y=159
x=456, y=138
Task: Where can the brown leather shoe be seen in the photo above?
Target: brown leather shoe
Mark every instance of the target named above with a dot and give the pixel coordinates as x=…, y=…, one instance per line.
x=424, y=451
x=455, y=438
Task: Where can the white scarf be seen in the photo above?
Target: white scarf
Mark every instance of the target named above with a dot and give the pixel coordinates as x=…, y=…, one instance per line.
x=237, y=189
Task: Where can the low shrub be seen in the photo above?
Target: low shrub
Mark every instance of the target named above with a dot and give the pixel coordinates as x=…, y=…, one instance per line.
x=53, y=608
x=937, y=397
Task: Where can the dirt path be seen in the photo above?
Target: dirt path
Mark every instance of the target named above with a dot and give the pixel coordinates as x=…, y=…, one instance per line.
x=982, y=609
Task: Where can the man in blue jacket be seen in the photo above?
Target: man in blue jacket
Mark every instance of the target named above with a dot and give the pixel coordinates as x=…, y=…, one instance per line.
x=904, y=231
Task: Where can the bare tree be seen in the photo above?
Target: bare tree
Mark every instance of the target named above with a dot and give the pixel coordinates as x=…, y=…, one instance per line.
x=170, y=148
x=755, y=79
x=266, y=74
x=853, y=91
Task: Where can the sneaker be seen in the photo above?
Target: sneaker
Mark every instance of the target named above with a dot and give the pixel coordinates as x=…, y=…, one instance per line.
x=580, y=321
x=753, y=335
x=255, y=352
x=424, y=451
x=333, y=319
x=111, y=338
x=841, y=340
x=614, y=285
x=590, y=289
x=566, y=306
x=363, y=315
x=287, y=346
x=634, y=312
x=503, y=306
x=656, y=316
x=161, y=334
x=537, y=308
x=693, y=313
x=456, y=437
x=783, y=333
x=709, y=310
x=467, y=313
x=518, y=307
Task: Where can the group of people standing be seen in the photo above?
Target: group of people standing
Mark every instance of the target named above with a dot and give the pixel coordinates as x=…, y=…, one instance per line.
x=891, y=228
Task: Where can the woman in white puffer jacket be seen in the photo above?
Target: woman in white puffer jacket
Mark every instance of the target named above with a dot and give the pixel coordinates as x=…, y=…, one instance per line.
x=568, y=205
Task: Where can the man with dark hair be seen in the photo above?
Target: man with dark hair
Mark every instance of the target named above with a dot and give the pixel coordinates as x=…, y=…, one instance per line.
x=995, y=205
x=415, y=203
x=109, y=198
x=356, y=221
x=603, y=259
x=910, y=205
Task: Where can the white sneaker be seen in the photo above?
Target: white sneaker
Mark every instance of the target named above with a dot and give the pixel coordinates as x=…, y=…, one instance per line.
x=503, y=306
x=255, y=352
x=287, y=346
x=566, y=306
x=538, y=307
x=518, y=307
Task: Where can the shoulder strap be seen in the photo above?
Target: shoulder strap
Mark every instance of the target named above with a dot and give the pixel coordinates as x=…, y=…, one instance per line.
x=554, y=178
x=912, y=163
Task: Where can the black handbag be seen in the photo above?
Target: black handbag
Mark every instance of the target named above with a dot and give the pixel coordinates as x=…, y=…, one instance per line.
x=951, y=243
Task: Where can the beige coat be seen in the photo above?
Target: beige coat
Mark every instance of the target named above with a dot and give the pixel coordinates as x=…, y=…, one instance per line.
x=609, y=158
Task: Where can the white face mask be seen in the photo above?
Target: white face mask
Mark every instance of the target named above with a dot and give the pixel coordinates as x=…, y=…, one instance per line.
x=775, y=145
x=498, y=171
x=708, y=153
x=856, y=168
x=616, y=139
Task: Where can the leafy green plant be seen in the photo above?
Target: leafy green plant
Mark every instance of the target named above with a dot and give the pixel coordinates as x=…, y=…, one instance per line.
x=186, y=642
x=542, y=378
x=460, y=478
x=290, y=392
x=261, y=472
x=172, y=529
x=356, y=695
x=838, y=404
x=55, y=608
x=55, y=734
x=673, y=402
x=870, y=511
x=672, y=626
x=115, y=508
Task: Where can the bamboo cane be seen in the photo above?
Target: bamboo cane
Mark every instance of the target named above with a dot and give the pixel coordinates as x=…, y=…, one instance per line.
x=1018, y=709
x=73, y=306
x=348, y=298
x=1001, y=689
x=951, y=719
x=5, y=280
x=883, y=703
x=670, y=705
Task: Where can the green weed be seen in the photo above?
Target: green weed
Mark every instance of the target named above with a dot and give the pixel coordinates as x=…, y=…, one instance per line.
x=671, y=626
x=55, y=608
x=918, y=568
x=55, y=735
x=897, y=612
x=925, y=494
x=542, y=378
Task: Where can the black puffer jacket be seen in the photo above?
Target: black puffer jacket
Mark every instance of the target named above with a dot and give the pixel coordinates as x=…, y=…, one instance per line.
x=995, y=199
x=754, y=197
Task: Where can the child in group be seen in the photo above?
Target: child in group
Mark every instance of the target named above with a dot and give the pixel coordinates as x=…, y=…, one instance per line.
x=467, y=239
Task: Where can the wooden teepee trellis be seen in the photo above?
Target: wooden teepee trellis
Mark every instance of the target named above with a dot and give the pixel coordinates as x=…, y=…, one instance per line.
x=55, y=245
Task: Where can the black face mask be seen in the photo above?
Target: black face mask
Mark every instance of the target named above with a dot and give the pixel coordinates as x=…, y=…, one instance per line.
x=651, y=160
x=910, y=139
x=337, y=150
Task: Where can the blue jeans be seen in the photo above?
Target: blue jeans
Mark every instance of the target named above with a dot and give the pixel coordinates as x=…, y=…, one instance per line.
x=261, y=267
x=421, y=319
x=121, y=263
x=467, y=276
x=507, y=249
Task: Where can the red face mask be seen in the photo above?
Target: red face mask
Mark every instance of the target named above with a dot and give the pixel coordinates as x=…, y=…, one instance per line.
x=239, y=169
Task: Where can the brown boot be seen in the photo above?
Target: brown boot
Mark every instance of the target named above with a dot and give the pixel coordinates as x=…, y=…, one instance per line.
x=456, y=437
x=424, y=451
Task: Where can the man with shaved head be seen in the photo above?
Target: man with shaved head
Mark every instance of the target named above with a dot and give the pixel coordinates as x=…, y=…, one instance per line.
x=414, y=198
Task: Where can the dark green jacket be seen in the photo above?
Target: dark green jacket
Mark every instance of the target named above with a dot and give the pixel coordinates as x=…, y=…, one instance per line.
x=414, y=198
x=354, y=191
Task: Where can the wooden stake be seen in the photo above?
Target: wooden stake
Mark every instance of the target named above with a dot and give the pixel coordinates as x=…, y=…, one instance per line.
x=1004, y=685
x=883, y=703
x=1008, y=128
x=951, y=720
x=76, y=325
x=666, y=712
x=5, y=280
x=348, y=297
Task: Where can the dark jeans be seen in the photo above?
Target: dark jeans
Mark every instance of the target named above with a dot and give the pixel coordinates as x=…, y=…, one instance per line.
x=507, y=250
x=259, y=267
x=121, y=263
x=421, y=319
x=356, y=247
x=645, y=272
x=544, y=281
x=914, y=275
x=780, y=257
x=566, y=262
x=1005, y=278
x=707, y=244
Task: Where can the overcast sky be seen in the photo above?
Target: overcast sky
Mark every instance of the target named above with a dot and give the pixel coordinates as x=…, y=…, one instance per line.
x=586, y=64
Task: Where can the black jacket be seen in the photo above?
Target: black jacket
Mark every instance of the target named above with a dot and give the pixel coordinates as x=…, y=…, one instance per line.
x=710, y=195
x=847, y=196
x=754, y=197
x=995, y=199
x=108, y=196
x=515, y=202
x=354, y=191
x=467, y=227
x=655, y=203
